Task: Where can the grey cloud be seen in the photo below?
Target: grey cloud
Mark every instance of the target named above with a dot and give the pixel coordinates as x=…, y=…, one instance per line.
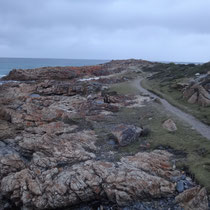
x=149, y=29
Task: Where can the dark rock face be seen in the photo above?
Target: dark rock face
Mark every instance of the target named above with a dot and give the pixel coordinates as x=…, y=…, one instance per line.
x=49, y=156
x=126, y=134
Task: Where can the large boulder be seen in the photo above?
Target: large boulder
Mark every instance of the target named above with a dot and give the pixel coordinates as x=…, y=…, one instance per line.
x=198, y=91
x=170, y=125
x=126, y=134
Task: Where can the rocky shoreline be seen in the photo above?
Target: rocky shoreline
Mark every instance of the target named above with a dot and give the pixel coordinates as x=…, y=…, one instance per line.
x=58, y=151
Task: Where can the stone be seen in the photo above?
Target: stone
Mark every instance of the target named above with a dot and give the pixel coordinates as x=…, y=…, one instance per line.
x=126, y=134
x=193, y=99
x=10, y=161
x=180, y=186
x=4, y=114
x=170, y=125
x=197, y=91
x=194, y=198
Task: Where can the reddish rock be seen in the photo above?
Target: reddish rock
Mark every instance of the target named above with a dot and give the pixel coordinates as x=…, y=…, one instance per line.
x=123, y=182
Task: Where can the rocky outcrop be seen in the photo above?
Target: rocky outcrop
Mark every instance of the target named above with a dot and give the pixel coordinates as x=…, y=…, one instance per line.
x=194, y=198
x=141, y=176
x=69, y=72
x=198, y=92
x=52, y=154
x=44, y=73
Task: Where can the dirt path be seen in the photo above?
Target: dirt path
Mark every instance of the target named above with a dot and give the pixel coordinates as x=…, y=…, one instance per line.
x=200, y=127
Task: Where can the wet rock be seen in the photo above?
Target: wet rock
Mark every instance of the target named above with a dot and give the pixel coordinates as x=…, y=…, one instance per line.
x=170, y=125
x=194, y=198
x=126, y=134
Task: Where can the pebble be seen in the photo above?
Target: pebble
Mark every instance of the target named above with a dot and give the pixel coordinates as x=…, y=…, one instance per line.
x=180, y=186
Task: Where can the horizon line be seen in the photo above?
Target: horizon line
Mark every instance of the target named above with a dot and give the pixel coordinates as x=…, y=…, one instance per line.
x=51, y=58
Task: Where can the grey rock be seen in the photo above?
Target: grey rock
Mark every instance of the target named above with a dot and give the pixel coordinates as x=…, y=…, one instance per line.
x=180, y=186
x=126, y=134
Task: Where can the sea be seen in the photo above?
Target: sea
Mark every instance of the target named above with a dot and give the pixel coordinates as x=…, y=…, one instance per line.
x=7, y=64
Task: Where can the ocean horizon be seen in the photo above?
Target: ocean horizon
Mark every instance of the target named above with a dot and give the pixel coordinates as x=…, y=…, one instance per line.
x=8, y=64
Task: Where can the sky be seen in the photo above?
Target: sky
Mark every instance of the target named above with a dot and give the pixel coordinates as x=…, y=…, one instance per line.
x=156, y=30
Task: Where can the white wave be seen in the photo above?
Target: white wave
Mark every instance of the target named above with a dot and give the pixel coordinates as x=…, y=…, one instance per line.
x=2, y=75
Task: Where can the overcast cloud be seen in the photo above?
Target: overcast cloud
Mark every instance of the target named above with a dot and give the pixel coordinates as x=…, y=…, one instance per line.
x=162, y=30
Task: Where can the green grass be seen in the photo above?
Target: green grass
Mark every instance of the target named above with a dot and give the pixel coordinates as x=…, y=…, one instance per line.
x=185, y=140
x=188, y=141
x=196, y=148
x=124, y=88
x=174, y=97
